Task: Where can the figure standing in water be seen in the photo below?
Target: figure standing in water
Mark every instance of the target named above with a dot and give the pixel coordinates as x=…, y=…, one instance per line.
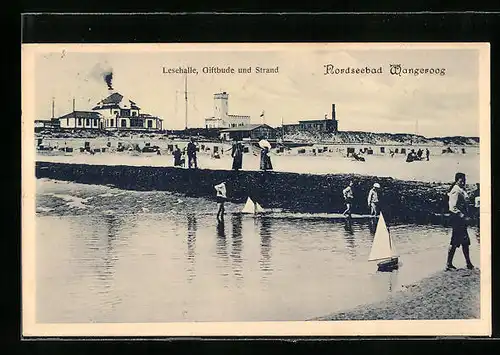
x=348, y=197
x=237, y=154
x=427, y=153
x=373, y=200
x=457, y=204
x=221, y=199
x=265, y=159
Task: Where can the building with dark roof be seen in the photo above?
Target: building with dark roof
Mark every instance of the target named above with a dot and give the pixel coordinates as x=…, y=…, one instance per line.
x=115, y=112
x=250, y=132
x=314, y=126
x=80, y=119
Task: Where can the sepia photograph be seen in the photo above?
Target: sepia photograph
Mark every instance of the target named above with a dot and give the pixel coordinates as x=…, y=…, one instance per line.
x=256, y=189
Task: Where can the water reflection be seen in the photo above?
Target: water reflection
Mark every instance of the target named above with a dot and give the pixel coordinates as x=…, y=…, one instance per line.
x=237, y=246
x=372, y=225
x=191, y=245
x=221, y=243
x=265, y=245
x=105, y=265
x=349, y=237
x=393, y=280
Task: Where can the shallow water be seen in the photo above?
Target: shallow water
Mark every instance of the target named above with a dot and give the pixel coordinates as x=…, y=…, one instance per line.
x=109, y=255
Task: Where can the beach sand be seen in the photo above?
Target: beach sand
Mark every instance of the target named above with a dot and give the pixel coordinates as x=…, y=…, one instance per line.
x=444, y=295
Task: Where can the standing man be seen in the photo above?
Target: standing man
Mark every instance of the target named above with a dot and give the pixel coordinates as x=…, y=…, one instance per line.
x=221, y=198
x=457, y=203
x=348, y=198
x=237, y=154
x=191, y=152
x=373, y=200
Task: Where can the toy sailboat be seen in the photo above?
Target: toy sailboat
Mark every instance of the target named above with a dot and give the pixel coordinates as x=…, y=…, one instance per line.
x=383, y=248
x=252, y=207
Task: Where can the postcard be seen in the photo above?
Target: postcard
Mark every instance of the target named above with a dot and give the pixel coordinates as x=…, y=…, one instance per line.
x=299, y=189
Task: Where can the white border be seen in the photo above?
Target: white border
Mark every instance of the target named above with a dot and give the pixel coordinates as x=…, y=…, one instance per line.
x=481, y=327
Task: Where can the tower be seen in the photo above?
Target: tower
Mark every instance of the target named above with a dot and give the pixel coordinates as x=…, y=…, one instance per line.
x=221, y=106
x=335, y=125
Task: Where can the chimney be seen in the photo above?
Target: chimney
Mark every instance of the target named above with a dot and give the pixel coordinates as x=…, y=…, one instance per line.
x=333, y=112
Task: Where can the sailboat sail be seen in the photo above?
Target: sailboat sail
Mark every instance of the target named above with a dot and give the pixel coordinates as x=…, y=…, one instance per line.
x=394, y=252
x=249, y=206
x=258, y=208
x=382, y=247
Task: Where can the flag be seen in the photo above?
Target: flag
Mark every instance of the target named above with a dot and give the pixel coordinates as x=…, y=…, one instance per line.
x=262, y=114
x=326, y=116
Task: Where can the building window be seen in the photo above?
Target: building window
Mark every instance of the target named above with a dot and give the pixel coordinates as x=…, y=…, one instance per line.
x=112, y=123
x=124, y=123
x=150, y=124
x=79, y=122
x=95, y=122
x=134, y=113
x=87, y=122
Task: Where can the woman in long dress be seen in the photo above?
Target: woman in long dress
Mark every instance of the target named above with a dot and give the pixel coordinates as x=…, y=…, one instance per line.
x=237, y=154
x=265, y=159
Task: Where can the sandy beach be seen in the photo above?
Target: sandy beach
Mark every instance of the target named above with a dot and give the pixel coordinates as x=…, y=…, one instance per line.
x=444, y=295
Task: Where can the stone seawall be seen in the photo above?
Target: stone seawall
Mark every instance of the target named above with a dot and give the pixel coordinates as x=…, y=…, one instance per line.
x=403, y=201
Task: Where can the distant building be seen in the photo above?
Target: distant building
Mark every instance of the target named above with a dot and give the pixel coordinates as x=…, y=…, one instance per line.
x=314, y=126
x=115, y=112
x=80, y=119
x=221, y=117
x=118, y=112
x=250, y=131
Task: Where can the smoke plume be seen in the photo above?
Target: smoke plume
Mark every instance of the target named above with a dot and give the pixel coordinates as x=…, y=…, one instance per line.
x=108, y=78
x=103, y=71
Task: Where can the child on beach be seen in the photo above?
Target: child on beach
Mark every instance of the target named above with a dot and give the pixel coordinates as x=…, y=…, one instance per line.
x=457, y=204
x=221, y=198
x=177, y=156
x=348, y=197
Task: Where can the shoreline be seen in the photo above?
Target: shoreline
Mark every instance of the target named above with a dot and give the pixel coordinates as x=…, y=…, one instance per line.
x=443, y=295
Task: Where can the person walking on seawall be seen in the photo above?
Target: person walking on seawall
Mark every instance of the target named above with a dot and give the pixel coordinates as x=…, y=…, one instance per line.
x=237, y=154
x=348, y=197
x=427, y=153
x=265, y=159
x=457, y=204
x=221, y=199
x=191, y=152
x=373, y=200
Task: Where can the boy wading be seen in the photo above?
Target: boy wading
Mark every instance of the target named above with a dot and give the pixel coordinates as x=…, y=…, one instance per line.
x=348, y=197
x=221, y=198
x=457, y=204
x=373, y=200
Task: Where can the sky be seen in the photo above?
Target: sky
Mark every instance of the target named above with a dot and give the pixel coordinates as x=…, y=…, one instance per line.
x=431, y=105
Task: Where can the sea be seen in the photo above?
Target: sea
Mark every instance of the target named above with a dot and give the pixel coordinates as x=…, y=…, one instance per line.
x=106, y=255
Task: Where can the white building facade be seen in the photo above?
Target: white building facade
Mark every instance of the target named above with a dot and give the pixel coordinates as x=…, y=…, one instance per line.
x=115, y=112
x=221, y=117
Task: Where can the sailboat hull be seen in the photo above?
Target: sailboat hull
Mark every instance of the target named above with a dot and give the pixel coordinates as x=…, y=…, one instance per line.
x=388, y=265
